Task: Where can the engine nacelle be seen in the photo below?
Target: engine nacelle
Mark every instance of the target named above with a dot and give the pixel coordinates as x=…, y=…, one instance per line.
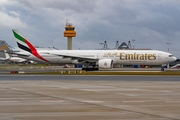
x=105, y=63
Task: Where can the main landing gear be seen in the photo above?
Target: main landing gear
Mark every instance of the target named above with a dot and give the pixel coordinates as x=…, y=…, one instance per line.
x=162, y=68
x=90, y=67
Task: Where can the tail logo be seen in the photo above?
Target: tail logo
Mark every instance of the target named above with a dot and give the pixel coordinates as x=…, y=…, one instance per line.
x=24, y=44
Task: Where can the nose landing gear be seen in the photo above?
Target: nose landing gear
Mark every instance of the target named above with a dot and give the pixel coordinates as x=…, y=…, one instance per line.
x=162, y=68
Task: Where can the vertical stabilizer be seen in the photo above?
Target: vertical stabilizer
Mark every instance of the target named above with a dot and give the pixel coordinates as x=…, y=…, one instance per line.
x=24, y=44
x=6, y=55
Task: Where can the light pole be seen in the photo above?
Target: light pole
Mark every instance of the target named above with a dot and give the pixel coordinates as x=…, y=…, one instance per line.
x=133, y=42
x=168, y=43
x=101, y=45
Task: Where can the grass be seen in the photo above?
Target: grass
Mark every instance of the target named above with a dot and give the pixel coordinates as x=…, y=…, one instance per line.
x=81, y=72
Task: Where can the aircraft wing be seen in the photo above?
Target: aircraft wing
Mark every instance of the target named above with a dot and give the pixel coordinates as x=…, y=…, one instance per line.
x=79, y=58
x=3, y=59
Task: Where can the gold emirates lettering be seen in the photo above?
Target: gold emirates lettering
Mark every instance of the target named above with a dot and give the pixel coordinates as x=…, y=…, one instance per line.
x=136, y=56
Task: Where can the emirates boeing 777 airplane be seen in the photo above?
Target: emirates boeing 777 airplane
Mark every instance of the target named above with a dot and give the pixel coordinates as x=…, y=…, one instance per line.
x=94, y=58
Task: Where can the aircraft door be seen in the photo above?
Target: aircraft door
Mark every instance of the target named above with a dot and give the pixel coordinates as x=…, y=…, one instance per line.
x=98, y=55
x=159, y=57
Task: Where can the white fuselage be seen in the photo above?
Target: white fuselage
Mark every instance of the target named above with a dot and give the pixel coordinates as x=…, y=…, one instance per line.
x=17, y=60
x=126, y=57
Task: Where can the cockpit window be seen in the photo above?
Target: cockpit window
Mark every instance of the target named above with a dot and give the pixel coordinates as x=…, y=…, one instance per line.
x=171, y=55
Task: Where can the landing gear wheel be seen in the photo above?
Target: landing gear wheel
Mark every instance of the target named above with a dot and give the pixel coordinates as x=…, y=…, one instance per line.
x=90, y=69
x=96, y=69
x=162, y=69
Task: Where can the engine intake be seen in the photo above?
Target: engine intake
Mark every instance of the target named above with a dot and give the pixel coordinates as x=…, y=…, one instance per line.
x=105, y=63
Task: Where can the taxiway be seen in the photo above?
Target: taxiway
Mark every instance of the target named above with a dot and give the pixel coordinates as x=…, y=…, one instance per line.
x=27, y=97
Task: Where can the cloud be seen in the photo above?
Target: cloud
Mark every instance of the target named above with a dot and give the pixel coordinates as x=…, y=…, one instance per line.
x=3, y=2
x=11, y=19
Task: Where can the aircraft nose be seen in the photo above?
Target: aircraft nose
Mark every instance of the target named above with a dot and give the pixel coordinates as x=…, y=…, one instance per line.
x=175, y=58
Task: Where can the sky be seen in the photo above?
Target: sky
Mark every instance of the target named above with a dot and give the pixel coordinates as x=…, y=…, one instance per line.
x=151, y=23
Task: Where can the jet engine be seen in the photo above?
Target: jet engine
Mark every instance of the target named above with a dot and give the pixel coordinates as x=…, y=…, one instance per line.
x=105, y=63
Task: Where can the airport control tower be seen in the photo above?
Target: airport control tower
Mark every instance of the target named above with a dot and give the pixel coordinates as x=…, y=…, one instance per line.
x=69, y=33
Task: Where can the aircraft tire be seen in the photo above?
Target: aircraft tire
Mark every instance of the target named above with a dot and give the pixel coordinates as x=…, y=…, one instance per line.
x=90, y=69
x=162, y=69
